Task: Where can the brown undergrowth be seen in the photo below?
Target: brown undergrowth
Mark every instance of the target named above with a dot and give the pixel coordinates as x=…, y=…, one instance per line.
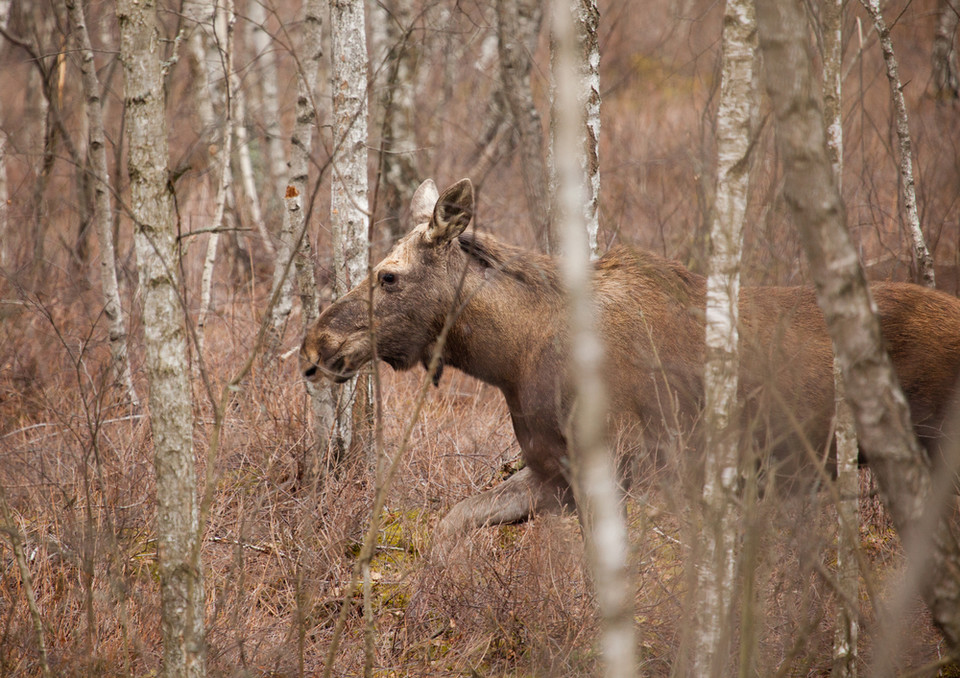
x=76, y=467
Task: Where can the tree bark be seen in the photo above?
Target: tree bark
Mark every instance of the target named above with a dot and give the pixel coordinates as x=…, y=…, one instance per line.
x=594, y=471
x=519, y=29
x=943, y=57
x=916, y=504
x=224, y=184
x=263, y=48
x=165, y=346
x=292, y=238
x=97, y=148
x=349, y=211
x=5, y=254
x=848, y=471
x=717, y=560
x=394, y=64
x=922, y=260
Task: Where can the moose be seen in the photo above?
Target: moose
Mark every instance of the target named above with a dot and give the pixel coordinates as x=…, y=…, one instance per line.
x=508, y=328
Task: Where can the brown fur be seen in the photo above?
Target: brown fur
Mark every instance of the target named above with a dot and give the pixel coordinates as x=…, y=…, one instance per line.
x=510, y=331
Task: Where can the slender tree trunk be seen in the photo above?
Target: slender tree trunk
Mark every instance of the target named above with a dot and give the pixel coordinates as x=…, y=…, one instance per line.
x=717, y=560
x=394, y=67
x=165, y=346
x=595, y=480
x=292, y=238
x=848, y=473
x=223, y=187
x=237, y=122
x=519, y=29
x=205, y=31
x=349, y=212
x=946, y=75
x=265, y=56
x=97, y=148
x=6, y=256
x=922, y=260
x=917, y=503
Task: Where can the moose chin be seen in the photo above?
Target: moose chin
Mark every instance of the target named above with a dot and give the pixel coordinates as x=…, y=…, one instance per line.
x=509, y=330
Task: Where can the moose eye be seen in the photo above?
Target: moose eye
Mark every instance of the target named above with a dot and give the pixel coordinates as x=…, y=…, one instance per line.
x=387, y=278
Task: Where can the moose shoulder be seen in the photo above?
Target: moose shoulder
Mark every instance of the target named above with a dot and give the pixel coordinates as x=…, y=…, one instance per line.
x=509, y=330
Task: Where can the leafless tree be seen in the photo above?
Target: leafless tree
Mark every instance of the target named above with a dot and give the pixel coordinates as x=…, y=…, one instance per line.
x=922, y=260
x=848, y=474
x=394, y=61
x=717, y=557
x=916, y=500
x=595, y=474
x=518, y=25
x=168, y=373
x=97, y=148
x=349, y=207
x=943, y=57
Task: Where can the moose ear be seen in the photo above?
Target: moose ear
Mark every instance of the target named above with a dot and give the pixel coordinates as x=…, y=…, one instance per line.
x=452, y=213
x=423, y=201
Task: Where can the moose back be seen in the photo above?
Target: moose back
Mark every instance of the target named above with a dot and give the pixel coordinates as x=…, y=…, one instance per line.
x=509, y=329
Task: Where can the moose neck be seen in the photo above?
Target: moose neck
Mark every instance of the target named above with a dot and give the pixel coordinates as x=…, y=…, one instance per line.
x=504, y=321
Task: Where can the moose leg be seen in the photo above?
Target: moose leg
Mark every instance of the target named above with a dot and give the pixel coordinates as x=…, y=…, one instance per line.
x=512, y=501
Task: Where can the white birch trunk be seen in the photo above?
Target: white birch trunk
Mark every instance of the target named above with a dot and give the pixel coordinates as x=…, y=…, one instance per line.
x=5, y=257
x=225, y=183
x=848, y=474
x=943, y=55
x=916, y=500
x=586, y=23
x=921, y=255
x=393, y=64
x=97, y=147
x=588, y=95
x=292, y=235
x=518, y=24
x=349, y=211
x=717, y=560
x=206, y=27
x=595, y=481
x=263, y=49
x=165, y=346
x=237, y=122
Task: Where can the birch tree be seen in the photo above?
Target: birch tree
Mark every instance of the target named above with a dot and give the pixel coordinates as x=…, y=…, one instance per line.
x=5, y=6
x=292, y=243
x=917, y=502
x=518, y=24
x=264, y=55
x=97, y=149
x=922, y=260
x=943, y=57
x=586, y=20
x=717, y=560
x=349, y=212
x=595, y=482
x=165, y=346
x=848, y=473
x=394, y=63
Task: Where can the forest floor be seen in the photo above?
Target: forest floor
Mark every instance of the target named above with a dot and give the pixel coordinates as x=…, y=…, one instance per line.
x=76, y=468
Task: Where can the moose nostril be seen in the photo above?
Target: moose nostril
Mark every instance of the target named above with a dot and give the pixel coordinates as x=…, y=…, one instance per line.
x=310, y=371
